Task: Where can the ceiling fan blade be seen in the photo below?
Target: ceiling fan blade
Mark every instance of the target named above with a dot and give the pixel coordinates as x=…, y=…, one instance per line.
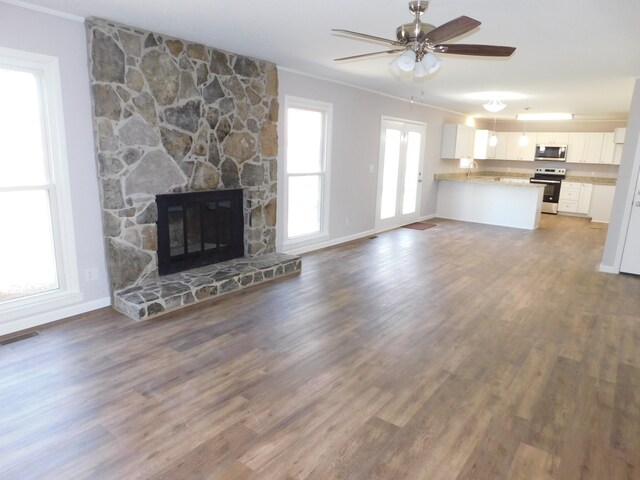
x=352, y=57
x=478, y=50
x=451, y=29
x=365, y=36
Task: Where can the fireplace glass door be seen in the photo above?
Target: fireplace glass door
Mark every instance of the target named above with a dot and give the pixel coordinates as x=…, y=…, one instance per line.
x=196, y=229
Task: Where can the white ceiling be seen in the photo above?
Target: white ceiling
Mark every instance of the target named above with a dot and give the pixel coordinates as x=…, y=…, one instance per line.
x=579, y=56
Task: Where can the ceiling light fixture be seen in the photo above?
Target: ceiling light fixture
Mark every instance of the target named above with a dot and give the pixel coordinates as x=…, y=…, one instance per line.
x=493, y=139
x=544, y=116
x=494, y=106
x=421, y=64
x=524, y=140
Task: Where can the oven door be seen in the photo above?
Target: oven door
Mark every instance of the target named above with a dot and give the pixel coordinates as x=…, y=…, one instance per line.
x=551, y=189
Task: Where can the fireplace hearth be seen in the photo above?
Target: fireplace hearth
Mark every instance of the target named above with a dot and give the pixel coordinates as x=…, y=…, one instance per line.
x=199, y=228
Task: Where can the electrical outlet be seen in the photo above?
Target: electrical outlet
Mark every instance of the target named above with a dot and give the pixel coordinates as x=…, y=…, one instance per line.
x=91, y=274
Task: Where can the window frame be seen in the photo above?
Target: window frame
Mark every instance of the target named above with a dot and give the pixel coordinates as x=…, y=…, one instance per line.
x=326, y=109
x=47, y=69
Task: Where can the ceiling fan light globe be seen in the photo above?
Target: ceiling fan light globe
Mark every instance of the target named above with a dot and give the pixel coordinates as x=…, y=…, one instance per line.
x=431, y=63
x=420, y=70
x=407, y=61
x=393, y=66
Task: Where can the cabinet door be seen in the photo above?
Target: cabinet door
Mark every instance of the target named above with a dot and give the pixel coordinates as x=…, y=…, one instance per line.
x=593, y=147
x=585, y=198
x=457, y=141
x=601, y=203
x=575, y=147
x=606, y=154
x=491, y=150
x=617, y=153
x=501, y=147
x=513, y=146
x=528, y=152
x=468, y=141
x=559, y=138
x=545, y=138
x=480, y=144
x=619, y=134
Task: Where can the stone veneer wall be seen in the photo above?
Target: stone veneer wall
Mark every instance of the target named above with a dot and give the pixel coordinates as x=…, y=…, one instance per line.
x=176, y=116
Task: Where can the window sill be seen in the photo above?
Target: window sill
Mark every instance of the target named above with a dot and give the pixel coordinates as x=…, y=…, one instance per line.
x=300, y=241
x=38, y=304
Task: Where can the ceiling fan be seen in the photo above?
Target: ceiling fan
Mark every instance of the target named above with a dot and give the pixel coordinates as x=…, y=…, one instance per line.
x=418, y=41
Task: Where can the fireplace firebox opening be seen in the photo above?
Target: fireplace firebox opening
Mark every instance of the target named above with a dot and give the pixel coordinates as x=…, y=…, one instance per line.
x=199, y=228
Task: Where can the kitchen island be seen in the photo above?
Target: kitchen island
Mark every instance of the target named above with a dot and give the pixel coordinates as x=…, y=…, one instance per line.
x=503, y=201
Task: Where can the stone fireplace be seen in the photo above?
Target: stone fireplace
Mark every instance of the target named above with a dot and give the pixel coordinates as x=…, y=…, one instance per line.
x=177, y=117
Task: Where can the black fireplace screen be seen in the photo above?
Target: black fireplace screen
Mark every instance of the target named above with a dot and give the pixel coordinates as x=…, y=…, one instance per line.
x=199, y=228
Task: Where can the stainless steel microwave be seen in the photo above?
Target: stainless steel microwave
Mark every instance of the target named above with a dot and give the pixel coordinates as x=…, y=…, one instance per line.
x=555, y=153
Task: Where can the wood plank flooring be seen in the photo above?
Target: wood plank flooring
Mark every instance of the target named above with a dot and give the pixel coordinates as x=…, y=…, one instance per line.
x=460, y=352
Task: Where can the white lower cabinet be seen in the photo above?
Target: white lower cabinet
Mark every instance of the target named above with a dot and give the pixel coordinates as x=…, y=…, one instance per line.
x=601, y=203
x=575, y=197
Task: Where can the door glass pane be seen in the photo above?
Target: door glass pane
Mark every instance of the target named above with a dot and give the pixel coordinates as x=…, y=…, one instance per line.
x=194, y=229
x=390, y=173
x=176, y=230
x=304, y=141
x=27, y=256
x=414, y=141
x=304, y=205
x=22, y=140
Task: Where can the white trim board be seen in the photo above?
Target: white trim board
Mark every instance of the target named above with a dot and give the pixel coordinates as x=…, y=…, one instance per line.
x=329, y=243
x=52, y=316
x=340, y=240
x=45, y=10
x=608, y=269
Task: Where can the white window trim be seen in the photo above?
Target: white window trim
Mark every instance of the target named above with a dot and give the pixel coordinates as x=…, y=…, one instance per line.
x=68, y=291
x=327, y=110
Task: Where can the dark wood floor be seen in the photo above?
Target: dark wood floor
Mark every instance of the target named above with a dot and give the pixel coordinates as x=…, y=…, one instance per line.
x=459, y=352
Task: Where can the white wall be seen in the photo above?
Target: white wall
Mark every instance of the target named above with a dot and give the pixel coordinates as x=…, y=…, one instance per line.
x=622, y=201
x=36, y=32
x=355, y=147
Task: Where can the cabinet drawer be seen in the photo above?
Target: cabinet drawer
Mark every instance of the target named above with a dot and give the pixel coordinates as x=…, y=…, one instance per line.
x=570, y=194
x=571, y=185
x=570, y=206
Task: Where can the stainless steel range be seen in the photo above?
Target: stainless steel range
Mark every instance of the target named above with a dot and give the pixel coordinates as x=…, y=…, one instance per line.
x=552, y=180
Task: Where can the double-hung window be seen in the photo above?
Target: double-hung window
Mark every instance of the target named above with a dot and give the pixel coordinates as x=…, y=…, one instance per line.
x=308, y=127
x=37, y=251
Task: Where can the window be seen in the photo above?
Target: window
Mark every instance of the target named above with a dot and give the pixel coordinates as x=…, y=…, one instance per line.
x=307, y=126
x=37, y=251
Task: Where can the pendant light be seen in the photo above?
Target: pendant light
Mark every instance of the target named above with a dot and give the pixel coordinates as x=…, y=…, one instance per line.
x=493, y=139
x=524, y=139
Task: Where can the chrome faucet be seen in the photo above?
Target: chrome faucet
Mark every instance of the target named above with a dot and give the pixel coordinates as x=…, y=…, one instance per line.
x=472, y=164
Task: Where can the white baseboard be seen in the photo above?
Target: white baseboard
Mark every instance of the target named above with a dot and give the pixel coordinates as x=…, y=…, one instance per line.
x=608, y=269
x=338, y=241
x=52, y=316
x=328, y=243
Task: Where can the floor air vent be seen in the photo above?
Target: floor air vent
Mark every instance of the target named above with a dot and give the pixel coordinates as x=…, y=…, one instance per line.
x=18, y=338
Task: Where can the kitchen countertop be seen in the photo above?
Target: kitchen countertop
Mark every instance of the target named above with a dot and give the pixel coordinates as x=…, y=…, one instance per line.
x=477, y=176
x=485, y=179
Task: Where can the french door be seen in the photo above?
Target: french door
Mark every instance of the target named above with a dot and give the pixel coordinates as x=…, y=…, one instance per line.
x=631, y=252
x=402, y=146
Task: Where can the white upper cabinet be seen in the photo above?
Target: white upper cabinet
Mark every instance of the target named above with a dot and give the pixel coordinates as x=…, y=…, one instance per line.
x=619, y=134
x=500, y=150
x=458, y=141
x=516, y=151
x=552, y=138
x=575, y=147
x=593, y=147
x=606, y=154
x=481, y=144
